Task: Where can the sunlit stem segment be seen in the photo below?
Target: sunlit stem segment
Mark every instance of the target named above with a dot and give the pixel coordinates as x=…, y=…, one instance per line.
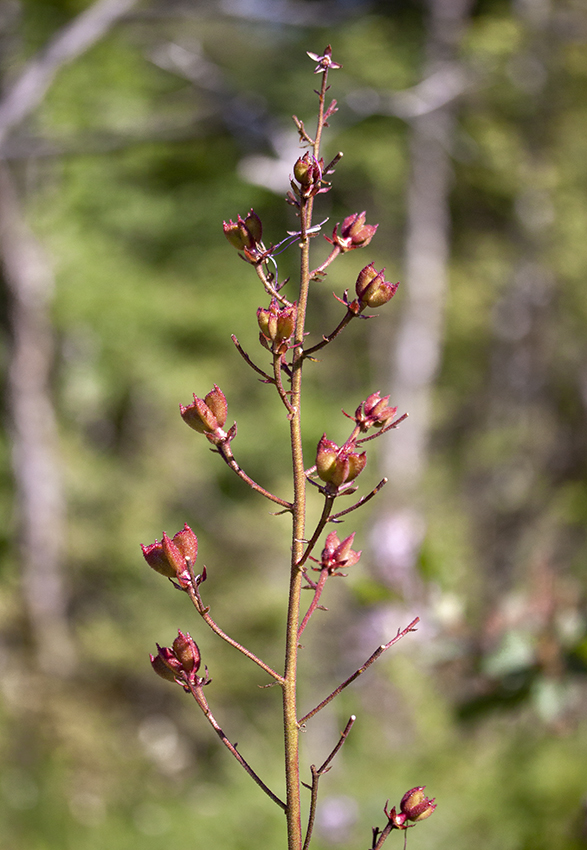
x=290, y=723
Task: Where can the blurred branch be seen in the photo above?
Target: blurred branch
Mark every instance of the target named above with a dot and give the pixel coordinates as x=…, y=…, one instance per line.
x=31, y=86
x=440, y=88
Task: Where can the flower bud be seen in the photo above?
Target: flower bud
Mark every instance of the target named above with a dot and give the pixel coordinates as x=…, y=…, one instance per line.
x=207, y=415
x=415, y=805
x=372, y=289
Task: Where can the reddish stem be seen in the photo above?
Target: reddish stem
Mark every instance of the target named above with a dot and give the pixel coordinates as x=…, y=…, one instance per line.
x=379, y=651
x=318, y=588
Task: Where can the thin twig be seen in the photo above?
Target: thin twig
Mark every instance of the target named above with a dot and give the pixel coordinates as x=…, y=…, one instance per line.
x=379, y=651
x=361, y=501
x=387, y=428
x=329, y=259
x=226, y=454
x=318, y=588
x=328, y=503
x=269, y=288
x=204, y=612
x=277, y=361
x=197, y=693
x=326, y=339
x=248, y=360
x=317, y=773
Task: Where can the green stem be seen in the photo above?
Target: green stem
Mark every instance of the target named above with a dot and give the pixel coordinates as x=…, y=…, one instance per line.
x=290, y=723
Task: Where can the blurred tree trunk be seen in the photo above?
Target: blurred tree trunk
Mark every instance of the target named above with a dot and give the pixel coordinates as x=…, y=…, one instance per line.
x=35, y=456
x=416, y=352
x=36, y=463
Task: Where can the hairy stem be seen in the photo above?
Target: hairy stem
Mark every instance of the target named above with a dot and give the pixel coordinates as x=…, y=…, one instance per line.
x=290, y=724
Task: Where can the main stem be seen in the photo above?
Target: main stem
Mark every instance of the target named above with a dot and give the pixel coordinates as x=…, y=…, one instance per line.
x=290, y=722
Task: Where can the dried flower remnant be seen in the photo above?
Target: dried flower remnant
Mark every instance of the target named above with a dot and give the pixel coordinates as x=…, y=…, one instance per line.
x=337, y=555
x=354, y=233
x=374, y=412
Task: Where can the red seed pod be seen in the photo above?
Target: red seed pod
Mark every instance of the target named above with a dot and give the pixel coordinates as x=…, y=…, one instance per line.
x=161, y=668
x=207, y=415
x=244, y=233
x=338, y=465
x=374, y=412
x=277, y=324
x=187, y=652
x=415, y=805
x=308, y=172
x=372, y=289
x=169, y=557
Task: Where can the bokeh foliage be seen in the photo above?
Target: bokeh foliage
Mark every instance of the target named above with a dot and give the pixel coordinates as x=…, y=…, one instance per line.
x=487, y=708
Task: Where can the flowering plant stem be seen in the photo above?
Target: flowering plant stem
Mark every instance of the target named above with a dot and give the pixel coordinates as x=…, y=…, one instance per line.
x=290, y=720
x=282, y=327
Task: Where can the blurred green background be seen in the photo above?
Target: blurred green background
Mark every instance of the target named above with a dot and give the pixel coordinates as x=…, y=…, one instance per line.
x=464, y=129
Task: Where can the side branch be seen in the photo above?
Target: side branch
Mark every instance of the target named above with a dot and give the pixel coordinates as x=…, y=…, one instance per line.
x=379, y=651
x=194, y=594
x=227, y=456
x=277, y=361
x=317, y=772
x=363, y=500
x=198, y=695
x=267, y=378
x=318, y=587
x=326, y=339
